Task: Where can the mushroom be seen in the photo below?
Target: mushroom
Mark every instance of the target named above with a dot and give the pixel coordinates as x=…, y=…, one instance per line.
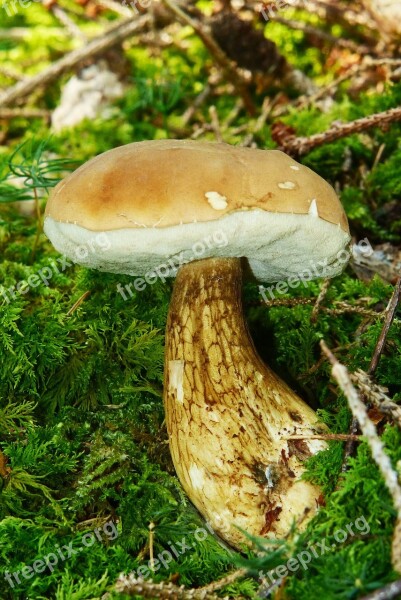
x=202, y=211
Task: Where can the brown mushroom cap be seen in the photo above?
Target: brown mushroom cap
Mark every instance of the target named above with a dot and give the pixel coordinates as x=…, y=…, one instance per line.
x=161, y=183
x=156, y=199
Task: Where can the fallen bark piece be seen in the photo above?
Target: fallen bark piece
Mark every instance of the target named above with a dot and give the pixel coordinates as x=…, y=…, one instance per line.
x=383, y=260
x=87, y=96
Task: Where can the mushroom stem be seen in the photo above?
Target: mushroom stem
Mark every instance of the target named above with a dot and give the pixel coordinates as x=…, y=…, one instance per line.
x=227, y=412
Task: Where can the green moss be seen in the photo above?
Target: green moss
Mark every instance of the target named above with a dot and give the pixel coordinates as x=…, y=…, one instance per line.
x=81, y=413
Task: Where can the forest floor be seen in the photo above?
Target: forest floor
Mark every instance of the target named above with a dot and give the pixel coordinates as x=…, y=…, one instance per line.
x=87, y=485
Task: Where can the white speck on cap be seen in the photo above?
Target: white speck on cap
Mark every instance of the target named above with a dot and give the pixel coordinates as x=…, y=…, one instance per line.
x=313, y=208
x=216, y=200
x=294, y=167
x=287, y=185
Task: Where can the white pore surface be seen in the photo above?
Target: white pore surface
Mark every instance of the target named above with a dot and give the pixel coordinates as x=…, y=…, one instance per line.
x=276, y=245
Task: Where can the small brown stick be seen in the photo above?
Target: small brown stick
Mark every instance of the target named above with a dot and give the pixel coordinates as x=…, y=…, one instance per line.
x=199, y=100
x=14, y=33
x=115, y=7
x=26, y=113
x=347, y=308
x=96, y=46
x=303, y=101
x=320, y=298
x=214, y=117
x=232, y=115
x=267, y=107
x=302, y=145
x=78, y=303
x=287, y=302
x=360, y=412
x=388, y=592
x=220, y=583
x=343, y=307
x=336, y=437
x=127, y=584
x=392, y=62
x=11, y=74
x=322, y=359
x=65, y=20
x=388, y=315
x=377, y=396
x=203, y=32
x=309, y=30
x=335, y=11
x=151, y=541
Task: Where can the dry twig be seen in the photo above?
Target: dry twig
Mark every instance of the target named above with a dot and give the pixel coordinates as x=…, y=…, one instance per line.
x=98, y=45
x=199, y=100
x=220, y=583
x=203, y=32
x=341, y=307
x=377, y=396
x=126, y=584
x=215, y=123
x=313, y=31
x=320, y=298
x=359, y=410
x=115, y=7
x=336, y=12
x=25, y=113
x=388, y=315
x=302, y=145
x=65, y=20
x=332, y=437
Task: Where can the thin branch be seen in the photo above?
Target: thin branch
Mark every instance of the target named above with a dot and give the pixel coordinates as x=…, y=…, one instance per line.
x=328, y=37
x=303, y=145
x=126, y=584
x=78, y=303
x=341, y=307
x=388, y=315
x=220, y=583
x=215, y=123
x=199, y=100
x=98, y=45
x=335, y=11
x=377, y=396
x=65, y=20
x=115, y=7
x=10, y=73
x=320, y=298
x=26, y=113
x=360, y=412
x=203, y=32
x=334, y=437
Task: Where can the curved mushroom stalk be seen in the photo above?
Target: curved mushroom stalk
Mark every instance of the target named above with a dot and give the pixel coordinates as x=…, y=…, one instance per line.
x=228, y=415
